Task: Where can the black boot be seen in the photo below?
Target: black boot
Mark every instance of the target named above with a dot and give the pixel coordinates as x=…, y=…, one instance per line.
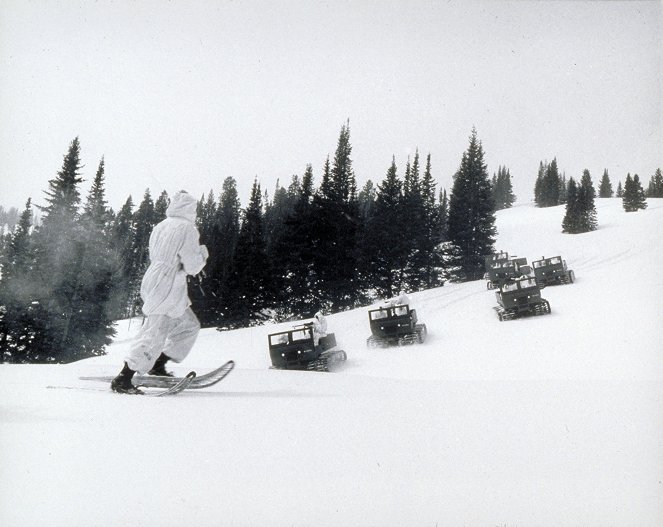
x=159, y=367
x=122, y=383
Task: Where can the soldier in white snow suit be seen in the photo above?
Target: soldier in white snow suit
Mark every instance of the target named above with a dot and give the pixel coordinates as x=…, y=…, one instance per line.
x=400, y=300
x=170, y=327
x=319, y=327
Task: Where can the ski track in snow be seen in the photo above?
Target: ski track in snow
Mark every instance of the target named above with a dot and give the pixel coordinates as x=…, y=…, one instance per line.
x=553, y=420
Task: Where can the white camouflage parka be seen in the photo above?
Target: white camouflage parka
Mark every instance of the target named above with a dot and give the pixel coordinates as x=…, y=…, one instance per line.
x=175, y=252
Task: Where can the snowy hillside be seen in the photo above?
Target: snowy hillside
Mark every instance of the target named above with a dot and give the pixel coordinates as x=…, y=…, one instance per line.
x=546, y=421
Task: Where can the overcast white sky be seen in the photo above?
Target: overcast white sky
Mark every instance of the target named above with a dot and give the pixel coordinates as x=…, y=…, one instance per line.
x=183, y=94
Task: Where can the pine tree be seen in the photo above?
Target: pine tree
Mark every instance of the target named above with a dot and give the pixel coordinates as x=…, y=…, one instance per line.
x=366, y=201
x=296, y=280
x=432, y=271
x=222, y=246
x=502, y=188
x=620, y=190
x=471, y=211
x=336, y=226
x=572, y=217
x=414, y=227
x=16, y=292
x=586, y=205
x=605, y=188
x=72, y=283
x=384, y=249
x=444, y=216
x=143, y=221
x=122, y=234
x=634, y=195
x=161, y=206
x=251, y=272
x=96, y=206
x=655, y=188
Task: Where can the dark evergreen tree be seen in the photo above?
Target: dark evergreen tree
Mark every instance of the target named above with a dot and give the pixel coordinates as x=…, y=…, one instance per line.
x=634, y=195
x=655, y=188
x=17, y=329
x=586, y=193
x=143, y=221
x=96, y=206
x=605, y=188
x=502, y=187
x=70, y=288
x=572, y=218
x=432, y=272
x=296, y=280
x=222, y=245
x=384, y=249
x=538, y=185
x=122, y=234
x=562, y=189
x=335, y=227
x=549, y=186
x=620, y=190
x=366, y=201
x=251, y=273
x=413, y=227
x=444, y=216
x=471, y=211
x=161, y=206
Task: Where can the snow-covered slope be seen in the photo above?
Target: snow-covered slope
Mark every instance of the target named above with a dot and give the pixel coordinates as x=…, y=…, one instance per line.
x=549, y=421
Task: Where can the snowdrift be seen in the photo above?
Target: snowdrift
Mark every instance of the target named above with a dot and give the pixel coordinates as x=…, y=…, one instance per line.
x=548, y=421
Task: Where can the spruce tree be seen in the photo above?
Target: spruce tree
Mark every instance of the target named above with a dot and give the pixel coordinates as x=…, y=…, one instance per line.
x=414, y=227
x=16, y=292
x=572, y=218
x=336, y=227
x=143, y=221
x=296, y=279
x=471, y=211
x=432, y=271
x=655, y=188
x=249, y=282
x=73, y=283
x=161, y=206
x=444, y=216
x=222, y=246
x=634, y=195
x=503, y=195
x=586, y=193
x=620, y=190
x=384, y=249
x=605, y=188
x=122, y=234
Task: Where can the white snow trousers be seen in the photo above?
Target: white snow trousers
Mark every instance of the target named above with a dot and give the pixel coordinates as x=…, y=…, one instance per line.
x=163, y=334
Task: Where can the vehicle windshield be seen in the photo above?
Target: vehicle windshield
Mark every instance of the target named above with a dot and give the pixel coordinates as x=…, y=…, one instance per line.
x=301, y=334
x=381, y=313
x=280, y=338
x=556, y=260
x=528, y=282
x=400, y=310
x=512, y=286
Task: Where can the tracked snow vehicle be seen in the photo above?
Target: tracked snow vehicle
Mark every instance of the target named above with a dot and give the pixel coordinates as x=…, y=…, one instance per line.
x=552, y=271
x=520, y=298
x=501, y=271
x=494, y=258
x=296, y=349
x=395, y=325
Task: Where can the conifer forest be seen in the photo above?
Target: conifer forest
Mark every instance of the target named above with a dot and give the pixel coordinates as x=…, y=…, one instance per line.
x=317, y=242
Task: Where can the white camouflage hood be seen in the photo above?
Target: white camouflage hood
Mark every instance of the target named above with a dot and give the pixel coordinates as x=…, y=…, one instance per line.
x=183, y=205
